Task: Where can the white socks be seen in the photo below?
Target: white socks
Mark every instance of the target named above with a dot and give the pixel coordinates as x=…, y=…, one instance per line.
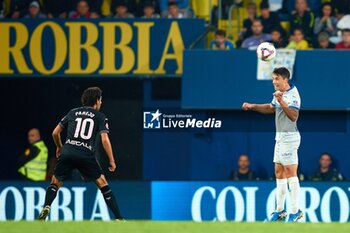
x=281, y=192
x=294, y=188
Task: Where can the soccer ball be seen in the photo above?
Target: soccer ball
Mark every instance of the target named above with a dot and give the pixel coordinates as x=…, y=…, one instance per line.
x=266, y=51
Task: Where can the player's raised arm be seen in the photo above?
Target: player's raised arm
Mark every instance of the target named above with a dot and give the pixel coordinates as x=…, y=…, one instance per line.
x=261, y=108
x=108, y=148
x=291, y=112
x=56, y=135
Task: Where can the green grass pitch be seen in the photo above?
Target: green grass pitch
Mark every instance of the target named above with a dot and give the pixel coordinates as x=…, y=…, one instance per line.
x=169, y=227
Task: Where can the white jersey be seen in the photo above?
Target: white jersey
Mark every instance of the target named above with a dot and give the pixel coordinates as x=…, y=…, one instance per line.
x=286, y=129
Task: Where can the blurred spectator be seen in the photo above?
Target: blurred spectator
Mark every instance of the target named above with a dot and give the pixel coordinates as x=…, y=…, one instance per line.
x=277, y=40
x=174, y=11
x=17, y=8
x=244, y=172
x=121, y=11
x=149, y=11
x=326, y=172
x=269, y=20
x=181, y=4
x=248, y=22
x=297, y=40
x=2, y=15
x=34, y=11
x=95, y=8
x=258, y=36
x=303, y=18
x=327, y=22
x=82, y=11
x=32, y=164
x=345, y=43
x=323, y=41
x=342, y=5
x=56, y=8
x=220, y=42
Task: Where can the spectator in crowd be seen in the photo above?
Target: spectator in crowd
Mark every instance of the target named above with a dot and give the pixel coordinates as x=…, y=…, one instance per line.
x=182, y=5
x=121, y=11
x=303, y=18
x=32, y=164
x=82, y=11
x=56, y=8
x=244, y=172
x=327, y=22
x=95, y=8
x=269, y=20
x=34, y=11
x=174, y=12
x=258, y=36
x=220, y=42
x=248, y=22
x=297, y=40
x=277, y=40
x=2, y=15
x=323, y=41
x=149, y=11
x=325, y=171
x=17, y=8
x=345, y=43
x=341, y=5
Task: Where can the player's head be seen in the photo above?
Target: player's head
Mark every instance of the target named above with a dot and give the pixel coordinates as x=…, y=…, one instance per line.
x=280, y=78
x=325, y=160
x=345, y=34
x=92, y=97
x=257, y=27
x=243, y=161
x=33, y=135
x=220, y=36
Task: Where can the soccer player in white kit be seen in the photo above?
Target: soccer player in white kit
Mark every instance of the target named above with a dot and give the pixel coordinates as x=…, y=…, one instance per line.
x=285, y=104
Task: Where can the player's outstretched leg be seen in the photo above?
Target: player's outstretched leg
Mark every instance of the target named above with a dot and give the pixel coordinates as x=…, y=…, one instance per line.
x=110, y=199
x=50, y=196
x=281, y=190
x=294, y=188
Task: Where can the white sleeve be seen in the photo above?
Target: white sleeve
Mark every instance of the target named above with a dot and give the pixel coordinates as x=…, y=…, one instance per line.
x=273, y=102
x=294, y=101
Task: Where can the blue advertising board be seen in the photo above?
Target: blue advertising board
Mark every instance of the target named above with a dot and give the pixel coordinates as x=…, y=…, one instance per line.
x=74, y=201
x=96, y=47
x=245, y=201
x=192, y=201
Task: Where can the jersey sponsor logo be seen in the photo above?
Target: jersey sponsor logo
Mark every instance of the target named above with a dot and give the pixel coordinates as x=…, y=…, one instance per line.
x=78, y=143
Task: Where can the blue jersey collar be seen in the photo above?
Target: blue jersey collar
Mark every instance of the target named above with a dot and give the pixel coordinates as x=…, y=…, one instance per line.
x=291, y=87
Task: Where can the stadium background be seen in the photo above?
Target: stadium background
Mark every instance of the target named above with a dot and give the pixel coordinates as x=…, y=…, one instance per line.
x=212, y=83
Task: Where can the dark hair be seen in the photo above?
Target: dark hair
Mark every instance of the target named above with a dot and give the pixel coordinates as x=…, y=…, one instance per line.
x=282, y=71
x=345, y=30
x=264, y=5
x=328, y=154
x=172, y=4
x=90, y=96
x=257, y=20
x=220, y=32
x=327, y=4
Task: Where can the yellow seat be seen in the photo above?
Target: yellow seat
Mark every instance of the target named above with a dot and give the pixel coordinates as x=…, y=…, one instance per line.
x=202, y=8
x=224, y=25
x=106, y=7
x=285, y=25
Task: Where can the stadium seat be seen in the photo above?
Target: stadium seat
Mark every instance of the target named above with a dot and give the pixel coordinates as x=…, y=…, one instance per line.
x=106, y=7
x=224, y=25
x=202, y=8
x=285, y=25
